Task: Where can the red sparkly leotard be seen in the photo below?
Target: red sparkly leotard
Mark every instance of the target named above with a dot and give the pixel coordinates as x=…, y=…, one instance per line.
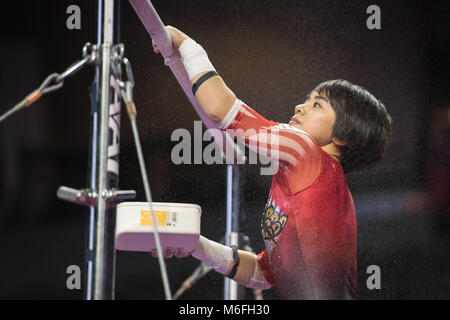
x=309, y=222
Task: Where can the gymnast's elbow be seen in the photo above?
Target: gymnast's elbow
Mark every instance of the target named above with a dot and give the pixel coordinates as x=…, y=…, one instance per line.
x=218, y=113
x=216, y=104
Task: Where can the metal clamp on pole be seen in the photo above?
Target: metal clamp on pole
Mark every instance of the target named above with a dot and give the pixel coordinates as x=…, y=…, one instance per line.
x=88, y=197
x=113, y=196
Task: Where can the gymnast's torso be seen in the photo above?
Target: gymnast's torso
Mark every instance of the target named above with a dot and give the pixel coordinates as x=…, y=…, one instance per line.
x=310, y=237
x=309, y=221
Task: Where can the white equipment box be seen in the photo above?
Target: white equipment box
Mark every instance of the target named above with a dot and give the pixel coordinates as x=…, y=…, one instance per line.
x=178, y=226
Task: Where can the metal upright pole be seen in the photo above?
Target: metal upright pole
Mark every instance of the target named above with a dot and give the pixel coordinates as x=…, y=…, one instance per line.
x=103, y=194
x=231, y=288
x=104, y=165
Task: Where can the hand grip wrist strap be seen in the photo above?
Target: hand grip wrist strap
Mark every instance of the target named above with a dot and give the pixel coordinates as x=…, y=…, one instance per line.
x=202, y=79
x=236, y=262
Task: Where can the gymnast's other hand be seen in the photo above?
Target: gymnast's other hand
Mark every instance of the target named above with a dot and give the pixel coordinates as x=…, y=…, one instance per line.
x=177, y=38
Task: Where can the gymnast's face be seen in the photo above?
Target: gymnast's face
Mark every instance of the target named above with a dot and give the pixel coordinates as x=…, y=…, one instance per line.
x=316, y=117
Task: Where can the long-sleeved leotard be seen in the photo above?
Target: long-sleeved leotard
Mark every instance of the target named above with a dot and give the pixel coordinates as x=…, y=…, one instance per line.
x=309, y=222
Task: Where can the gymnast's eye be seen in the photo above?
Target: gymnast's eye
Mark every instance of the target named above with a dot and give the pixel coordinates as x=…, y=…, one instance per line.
x=317, y=105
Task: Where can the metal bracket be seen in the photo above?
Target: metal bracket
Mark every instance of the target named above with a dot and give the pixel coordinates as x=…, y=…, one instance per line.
x=89, y=197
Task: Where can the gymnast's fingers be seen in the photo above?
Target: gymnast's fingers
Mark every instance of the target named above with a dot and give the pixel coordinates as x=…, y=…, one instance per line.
x=168, y=253
x=155, y=47
x=177, y=36
x=179, y=253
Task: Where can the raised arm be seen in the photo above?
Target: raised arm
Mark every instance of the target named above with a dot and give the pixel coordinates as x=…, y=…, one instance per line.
x=213, y=96
x=285, y=145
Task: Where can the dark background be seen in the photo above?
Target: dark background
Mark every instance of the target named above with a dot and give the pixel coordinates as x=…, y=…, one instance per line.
x=270, y=54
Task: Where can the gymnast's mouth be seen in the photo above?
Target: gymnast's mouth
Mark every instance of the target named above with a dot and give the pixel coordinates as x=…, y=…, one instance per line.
x=294, y=121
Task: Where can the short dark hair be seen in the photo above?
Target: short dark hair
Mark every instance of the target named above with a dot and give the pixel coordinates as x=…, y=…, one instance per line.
x=362, y=122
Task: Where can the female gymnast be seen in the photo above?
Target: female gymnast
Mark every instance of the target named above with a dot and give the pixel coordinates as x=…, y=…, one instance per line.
x=309, y=222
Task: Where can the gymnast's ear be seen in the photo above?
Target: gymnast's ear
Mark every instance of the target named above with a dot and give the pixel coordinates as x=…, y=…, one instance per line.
x=338, y=142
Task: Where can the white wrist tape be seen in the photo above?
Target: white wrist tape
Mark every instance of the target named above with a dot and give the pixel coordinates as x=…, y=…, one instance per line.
x=195, y=59
x=258, y=281
x=213, y=254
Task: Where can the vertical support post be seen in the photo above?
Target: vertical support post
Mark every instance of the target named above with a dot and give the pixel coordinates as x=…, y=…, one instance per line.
x=232, y=288
x=103, y=162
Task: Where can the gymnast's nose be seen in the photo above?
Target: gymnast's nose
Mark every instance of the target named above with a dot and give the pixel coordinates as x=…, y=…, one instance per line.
x=300, y=108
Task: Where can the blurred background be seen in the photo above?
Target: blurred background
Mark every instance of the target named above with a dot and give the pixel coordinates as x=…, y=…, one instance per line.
x=271, y=54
